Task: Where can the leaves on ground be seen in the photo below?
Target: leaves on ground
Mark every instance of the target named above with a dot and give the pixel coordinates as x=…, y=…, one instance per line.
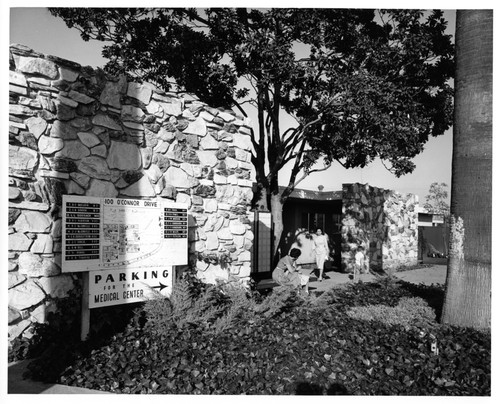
x=299, y=349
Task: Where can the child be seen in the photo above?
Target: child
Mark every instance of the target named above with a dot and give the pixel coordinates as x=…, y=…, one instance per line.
x=359, y=262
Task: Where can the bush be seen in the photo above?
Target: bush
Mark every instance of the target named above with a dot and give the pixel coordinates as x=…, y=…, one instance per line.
x=409, y=311
x=214, y=308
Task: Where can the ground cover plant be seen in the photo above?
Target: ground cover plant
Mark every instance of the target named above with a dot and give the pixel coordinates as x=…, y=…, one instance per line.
x=363, y=339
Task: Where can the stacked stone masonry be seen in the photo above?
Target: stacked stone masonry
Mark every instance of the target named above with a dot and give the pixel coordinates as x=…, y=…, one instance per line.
x=73, y=130
x=384, y=223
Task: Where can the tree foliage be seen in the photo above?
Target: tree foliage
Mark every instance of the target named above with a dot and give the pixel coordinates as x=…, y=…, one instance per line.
x=435, y=200
x=360, y=84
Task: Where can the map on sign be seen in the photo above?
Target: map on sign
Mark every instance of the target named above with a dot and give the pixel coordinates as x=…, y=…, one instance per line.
x=112, y=233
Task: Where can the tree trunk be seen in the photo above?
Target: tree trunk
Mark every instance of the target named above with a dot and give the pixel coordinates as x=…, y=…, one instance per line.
x=277, y=215
x=468, y=282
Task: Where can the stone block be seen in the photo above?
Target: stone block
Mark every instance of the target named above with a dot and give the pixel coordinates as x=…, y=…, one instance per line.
x=22, y=161
x=99, y=150
x=106, y=121
x=212, y=241
x=102, y=189
x=32, y=221
x=112, y=92
x=124, y=156
x=18, y=89
x=43, y=244
x=141, y=188
x=139, y=92
x=174, y=107
x=64, y=111
x=154, y=108
x=68, y=75
x=13, y=315
x=178, y=178
x=80, y=97
x=33, y=265
x=50, y=145
x=197, y=127
x=57, y=287
x=213, y=274
x=95, y=167
x=132, y=113
x=210, y=205
x=183, y=198
x=88, y=139
x=18, y=329
x=63, y=130
x=81, y=179
x=224, y=234
x=207, y=158
x=17, y=79
x=39, y=66
x=19, y=242
x=245, y=270
x=209, y=143
x=26, y=295
x=237, y=228
x=36, y=125
x=14, y=193
x=202, y=266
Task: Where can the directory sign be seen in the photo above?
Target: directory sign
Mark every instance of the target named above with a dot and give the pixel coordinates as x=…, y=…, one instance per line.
x=114, y=233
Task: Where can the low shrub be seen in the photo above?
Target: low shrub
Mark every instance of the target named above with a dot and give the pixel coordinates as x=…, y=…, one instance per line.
x=215, y=308
x=409, y=311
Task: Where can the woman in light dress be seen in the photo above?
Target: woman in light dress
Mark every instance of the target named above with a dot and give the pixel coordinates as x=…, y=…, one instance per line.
x=321, y=250
x=286, y=272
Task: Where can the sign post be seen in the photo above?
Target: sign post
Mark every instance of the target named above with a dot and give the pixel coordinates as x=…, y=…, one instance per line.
x=85, y=323
x=126, y=248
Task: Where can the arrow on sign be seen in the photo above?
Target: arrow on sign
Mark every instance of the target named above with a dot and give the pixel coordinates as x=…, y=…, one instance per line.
x=161, y=287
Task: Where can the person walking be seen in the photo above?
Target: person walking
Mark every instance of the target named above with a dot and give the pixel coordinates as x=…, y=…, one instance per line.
x=286, y=272
x=321, y=250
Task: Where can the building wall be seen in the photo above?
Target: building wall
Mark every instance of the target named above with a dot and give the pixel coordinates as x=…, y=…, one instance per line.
x=74, y=130
x=383, y=222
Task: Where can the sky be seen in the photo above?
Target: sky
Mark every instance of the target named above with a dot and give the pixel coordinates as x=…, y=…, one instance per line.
x=36, y=28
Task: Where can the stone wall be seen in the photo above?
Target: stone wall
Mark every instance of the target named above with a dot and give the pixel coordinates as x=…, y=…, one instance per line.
x=74, y=130
x=383, y=222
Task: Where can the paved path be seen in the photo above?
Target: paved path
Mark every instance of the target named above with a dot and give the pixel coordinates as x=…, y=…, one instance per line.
x=427, y=276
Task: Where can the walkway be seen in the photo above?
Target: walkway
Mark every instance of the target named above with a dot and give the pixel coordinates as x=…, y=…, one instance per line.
x=434, y=274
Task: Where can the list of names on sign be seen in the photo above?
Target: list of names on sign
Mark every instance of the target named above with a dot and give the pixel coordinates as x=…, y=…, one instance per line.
x=102, y=233
x=175, y=223
x=82, y=231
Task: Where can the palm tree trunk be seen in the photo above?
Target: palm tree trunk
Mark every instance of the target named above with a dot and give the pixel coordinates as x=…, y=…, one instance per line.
x=468, y=283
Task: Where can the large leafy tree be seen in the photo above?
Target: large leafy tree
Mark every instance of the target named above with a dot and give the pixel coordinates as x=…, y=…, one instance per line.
x=360, y=84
